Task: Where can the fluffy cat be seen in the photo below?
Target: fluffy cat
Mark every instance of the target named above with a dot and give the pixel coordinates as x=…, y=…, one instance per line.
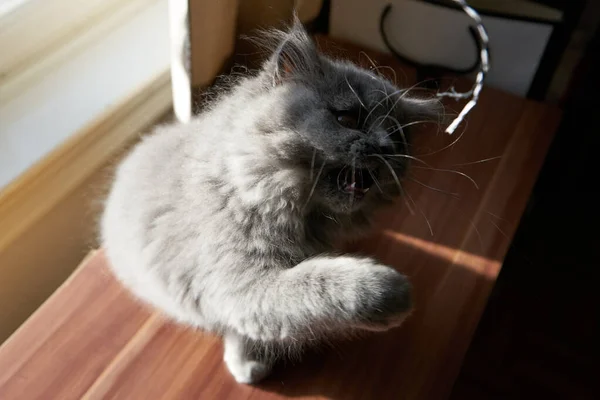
x=229, y=223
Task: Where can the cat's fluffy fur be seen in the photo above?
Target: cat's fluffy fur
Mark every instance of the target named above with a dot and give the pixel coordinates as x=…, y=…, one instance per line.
x=229, y=223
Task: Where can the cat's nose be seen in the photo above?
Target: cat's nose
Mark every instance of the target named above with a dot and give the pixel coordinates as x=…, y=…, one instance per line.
x=361, y=148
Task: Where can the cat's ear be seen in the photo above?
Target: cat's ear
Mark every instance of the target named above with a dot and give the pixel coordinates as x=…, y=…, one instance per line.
x=295, y=53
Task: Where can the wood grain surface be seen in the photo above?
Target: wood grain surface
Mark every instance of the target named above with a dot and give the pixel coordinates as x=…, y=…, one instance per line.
x=92, y=340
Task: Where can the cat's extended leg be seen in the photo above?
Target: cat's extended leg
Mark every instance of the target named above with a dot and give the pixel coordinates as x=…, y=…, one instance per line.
x=243, y=360
x=322, y=296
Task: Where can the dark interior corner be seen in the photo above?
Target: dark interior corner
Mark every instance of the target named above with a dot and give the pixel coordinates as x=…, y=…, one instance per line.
x=537, y=336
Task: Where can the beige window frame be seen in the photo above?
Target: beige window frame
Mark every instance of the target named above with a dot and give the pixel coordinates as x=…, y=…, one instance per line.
x=36, y=37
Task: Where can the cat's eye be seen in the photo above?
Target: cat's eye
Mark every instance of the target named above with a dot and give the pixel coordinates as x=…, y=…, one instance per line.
x=347, y=119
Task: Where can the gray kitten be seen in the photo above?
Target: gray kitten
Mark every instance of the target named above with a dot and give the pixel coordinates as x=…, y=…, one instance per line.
x=229, y=223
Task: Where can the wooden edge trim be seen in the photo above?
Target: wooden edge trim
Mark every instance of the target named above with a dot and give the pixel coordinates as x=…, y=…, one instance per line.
x=86, y=260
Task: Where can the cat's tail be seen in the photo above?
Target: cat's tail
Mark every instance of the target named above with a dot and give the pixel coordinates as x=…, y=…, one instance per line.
x=323, y=296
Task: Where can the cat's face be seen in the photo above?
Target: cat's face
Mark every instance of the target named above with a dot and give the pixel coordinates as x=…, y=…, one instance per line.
x=345, y=125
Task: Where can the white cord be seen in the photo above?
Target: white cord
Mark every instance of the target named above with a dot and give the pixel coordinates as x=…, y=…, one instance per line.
x=483, y=70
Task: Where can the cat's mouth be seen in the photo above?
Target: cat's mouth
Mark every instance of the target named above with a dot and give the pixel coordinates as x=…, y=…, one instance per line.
x=356, y=182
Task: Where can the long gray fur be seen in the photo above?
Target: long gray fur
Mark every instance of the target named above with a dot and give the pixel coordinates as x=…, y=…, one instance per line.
x=229, y=223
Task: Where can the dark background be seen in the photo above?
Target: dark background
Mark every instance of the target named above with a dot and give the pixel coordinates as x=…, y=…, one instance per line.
x=539, y=334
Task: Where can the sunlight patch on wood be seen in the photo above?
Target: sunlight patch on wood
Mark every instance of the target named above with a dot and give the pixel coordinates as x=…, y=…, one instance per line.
x=478, y=264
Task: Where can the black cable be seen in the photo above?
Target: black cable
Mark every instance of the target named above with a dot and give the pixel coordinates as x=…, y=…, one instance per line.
x=430, y=69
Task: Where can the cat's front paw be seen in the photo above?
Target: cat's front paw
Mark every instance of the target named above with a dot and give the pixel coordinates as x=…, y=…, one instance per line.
x=387, y=300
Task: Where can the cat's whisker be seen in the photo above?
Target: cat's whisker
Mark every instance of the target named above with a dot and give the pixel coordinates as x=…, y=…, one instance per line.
x=355, y=94
x=353, y=179
x=377, y=68
x=423, y=214
x=403, y=156
x=498, y=217
x=401, y=127
x=312, y=190
x=380, y=91
x=466, y=124
x=452, y=172
x=374, y=66
x=411, y=145
x=390, y=109
x=392, y=70
x=441, y=117
x=312, y=164
x=338, y=177
x=395, y=176
x=495, y=215
x=375, y=180
x=380, y=102
x=331, y=218
x=499, y=229
x=410, y=209
x=404, y=93
x=478, y=233
x=398, y=129
x=477, y=162
x=455, y=195
x=362, y=180
x=373, y=124
x=426, y=221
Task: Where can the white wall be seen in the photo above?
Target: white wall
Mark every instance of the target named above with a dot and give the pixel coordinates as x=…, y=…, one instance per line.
x=35, y=121
x=432, y=34
x=7, y=6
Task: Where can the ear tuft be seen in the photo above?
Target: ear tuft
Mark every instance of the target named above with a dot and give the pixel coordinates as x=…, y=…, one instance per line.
x=293, y=52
